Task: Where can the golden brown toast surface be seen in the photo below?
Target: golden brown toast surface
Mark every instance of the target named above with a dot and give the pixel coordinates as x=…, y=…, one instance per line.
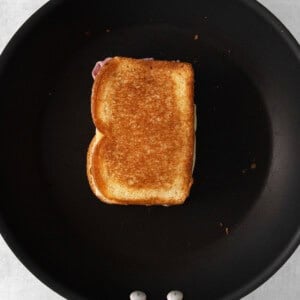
x=144, y=114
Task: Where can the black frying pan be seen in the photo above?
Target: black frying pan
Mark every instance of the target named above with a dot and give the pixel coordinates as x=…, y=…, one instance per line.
x=242, y=219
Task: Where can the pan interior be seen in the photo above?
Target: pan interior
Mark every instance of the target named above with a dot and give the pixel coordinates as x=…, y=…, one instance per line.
x=233, y=150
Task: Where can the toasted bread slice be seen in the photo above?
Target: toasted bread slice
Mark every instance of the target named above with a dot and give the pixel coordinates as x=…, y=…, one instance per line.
x=142, y=152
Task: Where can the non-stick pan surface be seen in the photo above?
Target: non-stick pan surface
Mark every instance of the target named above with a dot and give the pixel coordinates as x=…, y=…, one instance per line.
x=242, y=219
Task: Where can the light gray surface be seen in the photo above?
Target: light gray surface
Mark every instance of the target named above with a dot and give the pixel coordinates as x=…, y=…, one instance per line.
x=16, y=282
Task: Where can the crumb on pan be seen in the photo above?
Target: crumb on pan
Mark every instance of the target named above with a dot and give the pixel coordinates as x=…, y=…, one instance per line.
x=196, y=37
x=227, y=230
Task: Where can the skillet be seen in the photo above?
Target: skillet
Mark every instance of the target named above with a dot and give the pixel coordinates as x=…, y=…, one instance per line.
x=242, y=219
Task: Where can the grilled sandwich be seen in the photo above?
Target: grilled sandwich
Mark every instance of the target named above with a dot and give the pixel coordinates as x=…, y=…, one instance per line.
x=142, y=152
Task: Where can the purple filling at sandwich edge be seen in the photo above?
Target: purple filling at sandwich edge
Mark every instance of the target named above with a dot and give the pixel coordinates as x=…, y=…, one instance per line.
x=98, y=66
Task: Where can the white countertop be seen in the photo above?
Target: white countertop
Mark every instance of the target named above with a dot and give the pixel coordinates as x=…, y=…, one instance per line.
x=16, y=282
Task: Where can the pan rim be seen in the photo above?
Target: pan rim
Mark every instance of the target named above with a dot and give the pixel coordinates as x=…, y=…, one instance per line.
x=61, y=289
